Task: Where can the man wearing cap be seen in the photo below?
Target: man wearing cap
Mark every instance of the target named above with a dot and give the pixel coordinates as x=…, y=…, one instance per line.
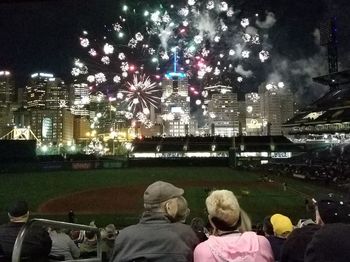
x=155, y=237
x=37, y=242
x=331, y=209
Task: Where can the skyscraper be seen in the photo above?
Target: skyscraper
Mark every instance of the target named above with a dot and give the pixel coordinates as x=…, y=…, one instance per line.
x=277, y=103
x=7, y=102
x=46, y=98
x=175, y=107
x=254, y=121
x=223, y=111
x=80, y=99
x=46, y=92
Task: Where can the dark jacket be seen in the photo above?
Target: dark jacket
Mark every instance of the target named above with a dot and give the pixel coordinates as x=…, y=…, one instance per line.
x=330, y=243
x=36, y=245
x=155, y=239
x=276, y=245
x=294, y=248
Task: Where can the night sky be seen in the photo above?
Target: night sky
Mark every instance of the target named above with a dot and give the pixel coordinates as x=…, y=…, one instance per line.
x=44, y=35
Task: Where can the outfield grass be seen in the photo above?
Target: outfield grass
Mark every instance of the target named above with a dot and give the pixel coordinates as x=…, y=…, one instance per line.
x=257, y=198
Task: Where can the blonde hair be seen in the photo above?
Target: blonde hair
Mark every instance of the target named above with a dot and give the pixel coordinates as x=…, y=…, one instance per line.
x=246, y=224
x=223, y=205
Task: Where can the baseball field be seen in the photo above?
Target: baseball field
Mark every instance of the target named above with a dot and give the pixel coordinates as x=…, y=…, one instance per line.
x=115, y=195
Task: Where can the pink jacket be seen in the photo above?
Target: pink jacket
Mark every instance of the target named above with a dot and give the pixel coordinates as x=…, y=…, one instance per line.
x=235, y=247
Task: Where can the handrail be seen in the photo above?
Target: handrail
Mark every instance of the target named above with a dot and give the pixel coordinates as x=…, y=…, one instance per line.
x=16, y=254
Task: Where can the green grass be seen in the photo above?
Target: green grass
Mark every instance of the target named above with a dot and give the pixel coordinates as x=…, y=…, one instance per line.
x=257, y=198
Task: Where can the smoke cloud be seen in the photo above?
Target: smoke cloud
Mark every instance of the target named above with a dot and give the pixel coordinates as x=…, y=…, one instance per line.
x=269, y=21
x=240, y=70
x=206, y=26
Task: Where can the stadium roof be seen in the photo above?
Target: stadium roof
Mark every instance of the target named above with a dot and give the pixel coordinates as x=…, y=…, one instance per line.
x=329, y=116
x=333, y=107
x=338, y=78
x=204, y=144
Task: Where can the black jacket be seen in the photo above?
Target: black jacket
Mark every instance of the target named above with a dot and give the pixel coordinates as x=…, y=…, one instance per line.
x=36, y=245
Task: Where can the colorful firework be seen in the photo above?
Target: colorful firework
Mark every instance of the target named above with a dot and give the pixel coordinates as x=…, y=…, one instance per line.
x=209, y=41
x=200, y=33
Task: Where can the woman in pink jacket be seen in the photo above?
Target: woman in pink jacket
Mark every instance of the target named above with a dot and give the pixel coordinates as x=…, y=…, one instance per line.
x=230, y=240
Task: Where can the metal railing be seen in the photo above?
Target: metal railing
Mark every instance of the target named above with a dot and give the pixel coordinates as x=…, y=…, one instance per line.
x=16, y=255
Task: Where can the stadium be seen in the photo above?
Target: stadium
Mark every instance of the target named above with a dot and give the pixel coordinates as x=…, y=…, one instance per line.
x=121, y=167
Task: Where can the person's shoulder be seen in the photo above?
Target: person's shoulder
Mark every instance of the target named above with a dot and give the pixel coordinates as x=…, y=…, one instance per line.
x=37, y=229
x=65, y=237
x=183, y=228
x=10, y=227
x=252, y=234
x=129, y=230
x=261, y=239
x=201, y=250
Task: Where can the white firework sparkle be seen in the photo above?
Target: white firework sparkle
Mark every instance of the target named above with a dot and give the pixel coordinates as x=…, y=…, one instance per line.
x=142, y=94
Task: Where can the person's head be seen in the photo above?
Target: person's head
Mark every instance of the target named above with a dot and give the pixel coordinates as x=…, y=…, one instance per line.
x=18, y=211
x=198, y=226
x=110, y=232
x=162, y=197
x=331, y=209
x=282, y=225
x=224, y=212
x=267, y=226
x=182, y=210
x=90, y=235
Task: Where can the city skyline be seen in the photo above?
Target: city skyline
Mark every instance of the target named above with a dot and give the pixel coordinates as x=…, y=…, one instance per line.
x=60, y=36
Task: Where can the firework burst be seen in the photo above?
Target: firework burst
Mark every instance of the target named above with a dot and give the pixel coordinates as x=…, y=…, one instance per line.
x=142, y=94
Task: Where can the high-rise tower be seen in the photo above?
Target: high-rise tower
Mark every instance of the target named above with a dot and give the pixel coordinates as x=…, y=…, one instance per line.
x=175, y=107
x=223, y=113
x=7, y=101
x=46, y=98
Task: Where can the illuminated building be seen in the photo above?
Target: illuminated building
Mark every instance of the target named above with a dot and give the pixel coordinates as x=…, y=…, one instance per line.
x=82, y=130
x=44, y=91
x=175, y=106
x=46, y=99
x=253, y=111
x=52, y=126
x=80, y=99
x=223, y=111
x=277, y=105
x=7, y=92
x=7, y=101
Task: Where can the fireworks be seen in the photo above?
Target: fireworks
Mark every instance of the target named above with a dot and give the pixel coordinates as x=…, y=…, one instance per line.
x=254, y=97
x=274, y=87
x=142, y=94
x=210, y=42
x=197, y=30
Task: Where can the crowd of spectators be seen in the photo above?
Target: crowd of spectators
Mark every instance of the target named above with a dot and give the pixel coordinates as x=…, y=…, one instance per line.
x=47, y=244
x=163, y=234
x=330, y=166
